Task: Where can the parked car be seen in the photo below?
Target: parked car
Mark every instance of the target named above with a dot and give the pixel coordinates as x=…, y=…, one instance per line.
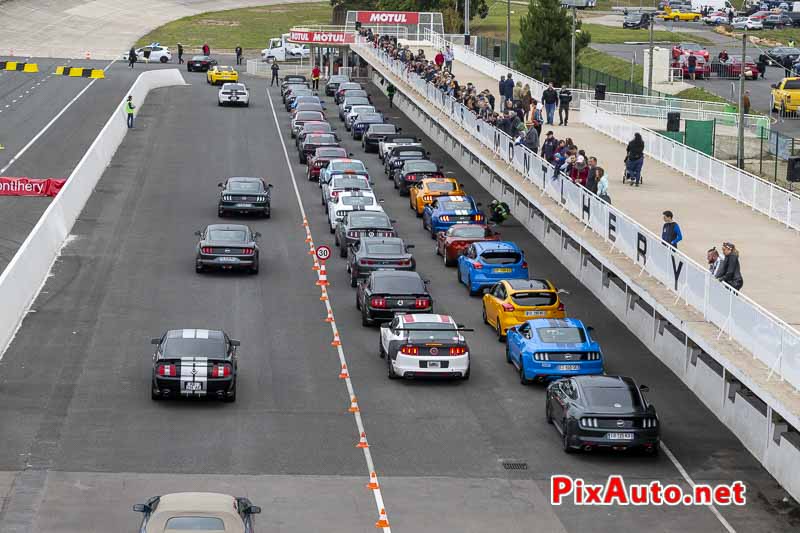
x=636, y=20
x=777, y=21
x=747, y=23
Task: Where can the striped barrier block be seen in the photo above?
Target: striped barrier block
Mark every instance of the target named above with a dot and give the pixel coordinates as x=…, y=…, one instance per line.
x=78, y=72
x=19, y=66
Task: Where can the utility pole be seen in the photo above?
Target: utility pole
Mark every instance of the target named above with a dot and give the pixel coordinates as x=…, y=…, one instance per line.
x=740, y=132
x=508, y=34
x=574, y=29
x=650, y=62
x=466, y=23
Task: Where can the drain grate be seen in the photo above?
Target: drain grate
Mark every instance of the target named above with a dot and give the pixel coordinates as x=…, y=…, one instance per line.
x=515, y=465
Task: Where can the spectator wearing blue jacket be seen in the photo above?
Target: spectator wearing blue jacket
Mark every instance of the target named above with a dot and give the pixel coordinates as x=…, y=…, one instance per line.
x=508, y=91
x=671, y=231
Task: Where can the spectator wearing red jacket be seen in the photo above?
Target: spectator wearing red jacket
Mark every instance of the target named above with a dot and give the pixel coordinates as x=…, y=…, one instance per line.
x=580, y=171
x=439, y=59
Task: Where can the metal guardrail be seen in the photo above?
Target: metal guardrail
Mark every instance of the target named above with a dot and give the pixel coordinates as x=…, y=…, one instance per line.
x=771, y=340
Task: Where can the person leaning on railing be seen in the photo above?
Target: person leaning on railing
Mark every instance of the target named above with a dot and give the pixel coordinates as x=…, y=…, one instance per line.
x=730, y=272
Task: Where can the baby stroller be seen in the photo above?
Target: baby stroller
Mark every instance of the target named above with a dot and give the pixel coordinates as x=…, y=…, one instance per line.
x=628, y=174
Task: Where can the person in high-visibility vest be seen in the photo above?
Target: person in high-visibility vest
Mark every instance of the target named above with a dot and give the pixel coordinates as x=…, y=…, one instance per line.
x=315, y=73
x=129, y=107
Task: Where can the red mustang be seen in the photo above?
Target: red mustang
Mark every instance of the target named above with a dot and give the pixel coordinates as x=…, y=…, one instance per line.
x=321, y=158
x=451, y=244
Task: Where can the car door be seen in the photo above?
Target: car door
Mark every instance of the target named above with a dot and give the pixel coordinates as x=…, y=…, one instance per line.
x=462, y=261
x=517, y=344
x=558, y=405
x=387, y=333
x=491, y=303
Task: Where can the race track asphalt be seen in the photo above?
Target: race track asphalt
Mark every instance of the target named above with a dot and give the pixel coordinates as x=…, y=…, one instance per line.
x=82, y=441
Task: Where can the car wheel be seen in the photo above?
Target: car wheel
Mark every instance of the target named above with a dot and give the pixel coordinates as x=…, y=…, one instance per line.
x=508, y=355
x=163, y=59
x=783, y=109
x=268, y=213
x=358, y=302
x=198, y=268
x=343, y=251
x=417, y=213
x=365, y=321
x=548, y=418
x=219, y=104
x=565, y=439
x=447, y=262
x=231, y=398
x=465, y=377
x=333, y=230
x=458, y=274
x=220, y=213
x=153, y=396
x=381, y=353
x=499, y=330
x=522, y=379
x=433, y=233
x=394, y=183
x=469, y=286
x=353, y=281
x=390, y=373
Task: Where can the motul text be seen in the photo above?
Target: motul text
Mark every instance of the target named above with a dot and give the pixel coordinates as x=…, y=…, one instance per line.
x=387, y=17
x=616, y=492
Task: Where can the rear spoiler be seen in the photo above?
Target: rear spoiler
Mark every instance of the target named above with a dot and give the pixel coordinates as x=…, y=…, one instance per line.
x=459, y=328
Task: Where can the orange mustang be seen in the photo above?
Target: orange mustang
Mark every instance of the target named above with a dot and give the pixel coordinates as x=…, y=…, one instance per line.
x=425, y=191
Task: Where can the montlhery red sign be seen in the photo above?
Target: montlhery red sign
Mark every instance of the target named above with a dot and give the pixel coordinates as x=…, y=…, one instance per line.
x=10, y=186
x=321, y=37
x=387, y=17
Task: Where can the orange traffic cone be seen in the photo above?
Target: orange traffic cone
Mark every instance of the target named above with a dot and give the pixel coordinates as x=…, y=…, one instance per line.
x=316, y=265
x=311, y=250
x=383, y=520
x=324, y=296
x=323, y=276
x=336, y=340
x=353, y=406
x=344, y=374
x=305, y=222
x=373, y=481
x=308, y=239
x=363, y=442
x=330, y=316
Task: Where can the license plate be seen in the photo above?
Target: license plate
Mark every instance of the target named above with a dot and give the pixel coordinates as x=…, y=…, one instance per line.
x=434, y=364
x=228, y=259
x=620, y=436
x=244, y=205
x=534, y=313
x=194, y=385
x=568, y=367
x=502, y=270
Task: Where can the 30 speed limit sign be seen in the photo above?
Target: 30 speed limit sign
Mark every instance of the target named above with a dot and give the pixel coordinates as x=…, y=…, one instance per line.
x=323, y=252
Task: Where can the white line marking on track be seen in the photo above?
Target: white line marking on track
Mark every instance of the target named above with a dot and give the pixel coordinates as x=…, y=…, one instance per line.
x=329, y=308
x=690, y=481
x=49, y=124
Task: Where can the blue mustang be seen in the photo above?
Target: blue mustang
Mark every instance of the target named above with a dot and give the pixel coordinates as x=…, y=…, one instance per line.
x=446, y=211
x=545, y=348
x=484, y=263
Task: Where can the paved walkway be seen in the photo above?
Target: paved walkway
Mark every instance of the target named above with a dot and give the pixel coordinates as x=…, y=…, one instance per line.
x=768, y=249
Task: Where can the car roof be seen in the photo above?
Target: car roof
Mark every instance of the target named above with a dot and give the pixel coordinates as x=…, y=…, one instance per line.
x=486, y=246
x=213, y=504
x=454, y=198
x=413, y=318
x=609, y=382
x=529, y=285
x=223, y=227
x=243, y=178
x=555, y=323
x=346, y=160
x=195, y=334
x=395, y=274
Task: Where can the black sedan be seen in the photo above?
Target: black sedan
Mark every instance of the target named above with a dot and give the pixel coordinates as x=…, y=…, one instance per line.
x=245, y=196
x=200, y=63
x=395, y=159
x=414, y=171
x=227, y=247
x=194, y=363
x=378, y=253
x=357, y=224
x=364, y=121
x=314, y=141
x=375, y=134
x=602, y=412
x=783, y=56
x=387, y=292
x=636, y=20
x=777, y=21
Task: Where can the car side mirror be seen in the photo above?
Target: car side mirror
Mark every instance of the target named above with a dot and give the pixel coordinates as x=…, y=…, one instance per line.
x=220, y=184
x=257, y=234
x=349, y=154
x=140, y=508
x=410, y=246
x=235, y=343
x=479, y=204
x=427, y=153
x=774, y=85
x=254, y=509
x=399, y=129
x=589, y=328
x=419, y=139
x=155, y=341
x=440, y=167
x=380, y=201
x=393, y=221
x=372, y=182
x=198, y=233
x=426, y=281
x=486, y=290
x=269, y=186
x=460, y=185
x=644, y=388
x=464, y=252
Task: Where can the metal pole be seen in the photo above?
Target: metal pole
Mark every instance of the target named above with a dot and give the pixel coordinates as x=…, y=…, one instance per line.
x=740, y=133
x=508, y=34
x=574, y=28
x=466, y=21
x=650, y=62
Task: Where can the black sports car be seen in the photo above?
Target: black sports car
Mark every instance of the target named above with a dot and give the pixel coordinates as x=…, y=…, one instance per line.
x=387, y=292
x=314, y=141
x=194, y=363
x=245, y=196
x=414, y=171
x=399, y=155
x=602, y=412
x=227, y=247
x=357, y=224
x=375, y=134
x=378, y=253
x=200, y=63
x=784, y=56
x=293, y=79
x=364, y=121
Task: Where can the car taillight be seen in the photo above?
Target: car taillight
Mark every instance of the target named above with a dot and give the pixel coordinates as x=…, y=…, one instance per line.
x=561, y=307
x=366, y=262
x=404, y=262
x=477, y=218
x=422, y=303
x=352, y=234
x=317, y=164
x=409, y=350
x=445, y=218
x=334, y=194
x=427, y=198
x=207, y=250
x=524, y=264
x=380, y=303
x=508, y=307
x=221, y=371
x=411, y=177
x=167, y=370
x=458, y=350
x=248, y=251
x=477, y=265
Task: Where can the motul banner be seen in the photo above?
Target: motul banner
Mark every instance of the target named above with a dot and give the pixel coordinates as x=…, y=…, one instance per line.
x=387, y=17
x=322, y=37
x=30, y=186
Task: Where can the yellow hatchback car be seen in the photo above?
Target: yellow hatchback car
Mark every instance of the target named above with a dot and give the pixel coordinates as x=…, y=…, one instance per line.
x=424, y=192
x=514, y=301
x=218, y=75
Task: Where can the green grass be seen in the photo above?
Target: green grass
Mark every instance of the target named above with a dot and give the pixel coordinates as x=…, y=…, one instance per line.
x=612, y=65
x=698, y=93
x=782, y=36
x=602, y=34
x=494, y=25
x=250, y=28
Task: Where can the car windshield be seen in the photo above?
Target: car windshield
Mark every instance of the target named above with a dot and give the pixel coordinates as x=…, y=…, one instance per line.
x=302, y=92
x=792, y=84
x=348, y=86
x=369, y=220
x=386, y=248
x=403, y=140
x=356, y=100
x=437, y=331
x=245, y=186
x=293, y=77
x=534, y=299
x=381, y=128
x=422, y=166
x=356, y=109
x=351, y=183
x=612, y=398
x=320, y=139
x=455, y=205
x=398, y=285
x=308, y=99
x=468, y=232
x=309, y=115
x=738, y=59
x=442, y=186
x=318, y=127
x=500, y=258
x=369, y=117
x=349, y=93
x=566, y=334
x=225, y=69
x=233, y=87
x=356, y=166
x=331, y=152
x=200, y=58
x=227, y=235
x=338, y=79
x=175, y=347
x=358, y=200
x=409, y=154
x=195, y=523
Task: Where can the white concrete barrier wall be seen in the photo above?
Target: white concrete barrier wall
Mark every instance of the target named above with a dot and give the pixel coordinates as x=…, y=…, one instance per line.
x=755, y=429
x=24, y=276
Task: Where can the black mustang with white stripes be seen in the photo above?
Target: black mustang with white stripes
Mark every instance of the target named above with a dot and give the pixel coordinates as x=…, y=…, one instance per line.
x=194, y=363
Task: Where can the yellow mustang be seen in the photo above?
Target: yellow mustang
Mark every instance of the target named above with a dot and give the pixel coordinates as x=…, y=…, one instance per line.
x=514, y=301
x=669, y=14
x=424, y=192
x=217, y=75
